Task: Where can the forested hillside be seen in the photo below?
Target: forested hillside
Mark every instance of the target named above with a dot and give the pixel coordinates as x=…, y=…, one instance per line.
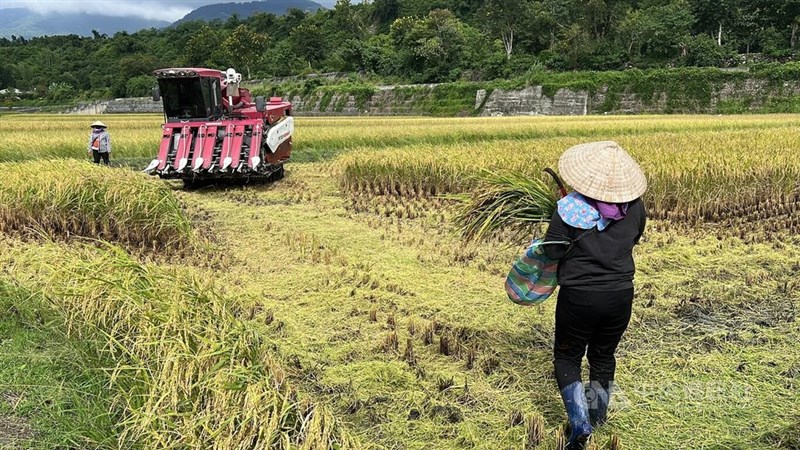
x=414, y=41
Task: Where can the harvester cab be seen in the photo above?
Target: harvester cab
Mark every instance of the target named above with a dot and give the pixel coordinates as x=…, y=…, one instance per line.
x=214, y=130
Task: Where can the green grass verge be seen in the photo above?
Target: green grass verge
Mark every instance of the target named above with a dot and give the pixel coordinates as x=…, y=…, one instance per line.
x=52, y=394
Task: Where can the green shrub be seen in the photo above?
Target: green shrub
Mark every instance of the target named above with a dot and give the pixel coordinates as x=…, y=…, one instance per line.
x=141, y=86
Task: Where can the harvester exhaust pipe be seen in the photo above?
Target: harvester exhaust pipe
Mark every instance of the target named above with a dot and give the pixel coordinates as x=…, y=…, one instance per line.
x=232, y=90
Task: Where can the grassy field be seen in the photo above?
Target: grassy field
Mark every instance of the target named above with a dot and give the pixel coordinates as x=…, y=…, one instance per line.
x=339, y=308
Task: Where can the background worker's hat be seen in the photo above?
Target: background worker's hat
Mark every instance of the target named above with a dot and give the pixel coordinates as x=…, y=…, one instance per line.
x=603, y=171
x=98, y=124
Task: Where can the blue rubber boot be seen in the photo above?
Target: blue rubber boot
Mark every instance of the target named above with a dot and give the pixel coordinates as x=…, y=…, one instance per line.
x=577, y=408
x=598, y=398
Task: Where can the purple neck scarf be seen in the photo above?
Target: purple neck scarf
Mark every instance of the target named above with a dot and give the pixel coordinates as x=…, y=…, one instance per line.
x=613, y=211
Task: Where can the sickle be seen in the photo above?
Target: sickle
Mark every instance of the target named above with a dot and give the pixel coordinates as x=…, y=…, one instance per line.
x=561, y=189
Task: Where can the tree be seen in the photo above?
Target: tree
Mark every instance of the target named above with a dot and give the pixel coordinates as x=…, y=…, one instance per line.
x=749, y=25
x=789, y=14
x=346, y=19
x=60, y=92
x=233, y=21
x=140, y=86
x=703, y=50
x=308, y=42
x=379, y=56
x=293, y=18
x=576, y=43
x=6, y=77
x=658, y=30
x=504, y=17
x=124, y=43
x=434, y=48
x=384, y=12
x=715, y=16
x=243, y=47
x=600, y=16
x=138, y=64
x=263, y=23
x=554, y=16
x=202, y=45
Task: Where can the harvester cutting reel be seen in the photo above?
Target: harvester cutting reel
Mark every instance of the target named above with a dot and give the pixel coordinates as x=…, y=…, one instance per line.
x=236, y=149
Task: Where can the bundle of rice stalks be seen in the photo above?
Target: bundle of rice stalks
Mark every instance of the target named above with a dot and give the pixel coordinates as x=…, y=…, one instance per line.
x=70, y=198
x=510, y=202
x=185, y=371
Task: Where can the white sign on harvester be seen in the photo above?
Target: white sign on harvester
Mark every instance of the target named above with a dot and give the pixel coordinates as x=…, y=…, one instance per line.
x=278, y=134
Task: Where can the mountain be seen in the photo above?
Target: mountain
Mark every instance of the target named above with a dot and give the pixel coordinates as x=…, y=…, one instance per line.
x=225, y=10
x=22, y=22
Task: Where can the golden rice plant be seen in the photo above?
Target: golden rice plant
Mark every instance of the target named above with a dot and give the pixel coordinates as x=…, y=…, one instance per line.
x=135, y=137
x=505, y=201
x=186, y=371
x=693, y=176
x=322, y=137
x=64, y=198
x=24, y=137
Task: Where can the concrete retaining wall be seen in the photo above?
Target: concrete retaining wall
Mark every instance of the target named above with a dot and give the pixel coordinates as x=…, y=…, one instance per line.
x=118, y=106
x=747, y=96
x=530, y=101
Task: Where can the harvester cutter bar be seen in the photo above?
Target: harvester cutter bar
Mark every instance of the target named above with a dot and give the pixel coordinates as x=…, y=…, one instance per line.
x=208, y=147
x=199, y=147
x=163, y=151
x=255, y=147
x=236, y=150
x=199, y=141
x=225, y=158
x=184, y=145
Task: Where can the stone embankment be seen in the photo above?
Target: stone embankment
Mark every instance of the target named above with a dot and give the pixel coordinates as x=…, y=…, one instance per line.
x=118, y=106
x=748, y=96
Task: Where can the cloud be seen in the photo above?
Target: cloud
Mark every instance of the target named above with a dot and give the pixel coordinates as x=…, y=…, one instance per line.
x=168, y=10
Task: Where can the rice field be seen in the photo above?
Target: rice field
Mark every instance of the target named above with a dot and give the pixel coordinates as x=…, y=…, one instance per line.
x=341, y=307
x=24, y=137
x=707, y=175
x=76, y=199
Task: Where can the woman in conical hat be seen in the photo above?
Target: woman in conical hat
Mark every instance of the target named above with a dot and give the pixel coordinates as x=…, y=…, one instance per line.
x=99, y=143
x=604, y=219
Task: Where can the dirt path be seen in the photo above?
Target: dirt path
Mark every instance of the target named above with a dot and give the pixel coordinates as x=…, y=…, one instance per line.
x=14, y=431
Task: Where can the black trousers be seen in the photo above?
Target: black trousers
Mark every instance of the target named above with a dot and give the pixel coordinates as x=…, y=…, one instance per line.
x=589, y=323
x=97, y=156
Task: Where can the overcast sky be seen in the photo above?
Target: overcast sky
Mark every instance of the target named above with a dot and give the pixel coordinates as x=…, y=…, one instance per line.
x=168, y=10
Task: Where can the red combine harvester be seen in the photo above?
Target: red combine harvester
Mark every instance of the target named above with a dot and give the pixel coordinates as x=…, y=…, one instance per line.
x=215, y=131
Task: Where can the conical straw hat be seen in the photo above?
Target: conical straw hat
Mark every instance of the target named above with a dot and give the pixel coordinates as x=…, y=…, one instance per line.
x=603, y=171
x=98, y=124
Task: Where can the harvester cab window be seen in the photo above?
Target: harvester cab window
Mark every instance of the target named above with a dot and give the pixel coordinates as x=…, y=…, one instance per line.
x=186, y=98
x=216, y=108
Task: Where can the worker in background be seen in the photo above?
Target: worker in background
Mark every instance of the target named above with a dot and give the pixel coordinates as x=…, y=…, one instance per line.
x=604, y=220
x=99, y=143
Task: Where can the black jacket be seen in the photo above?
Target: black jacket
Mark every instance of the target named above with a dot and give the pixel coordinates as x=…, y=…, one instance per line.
x=601, y=260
